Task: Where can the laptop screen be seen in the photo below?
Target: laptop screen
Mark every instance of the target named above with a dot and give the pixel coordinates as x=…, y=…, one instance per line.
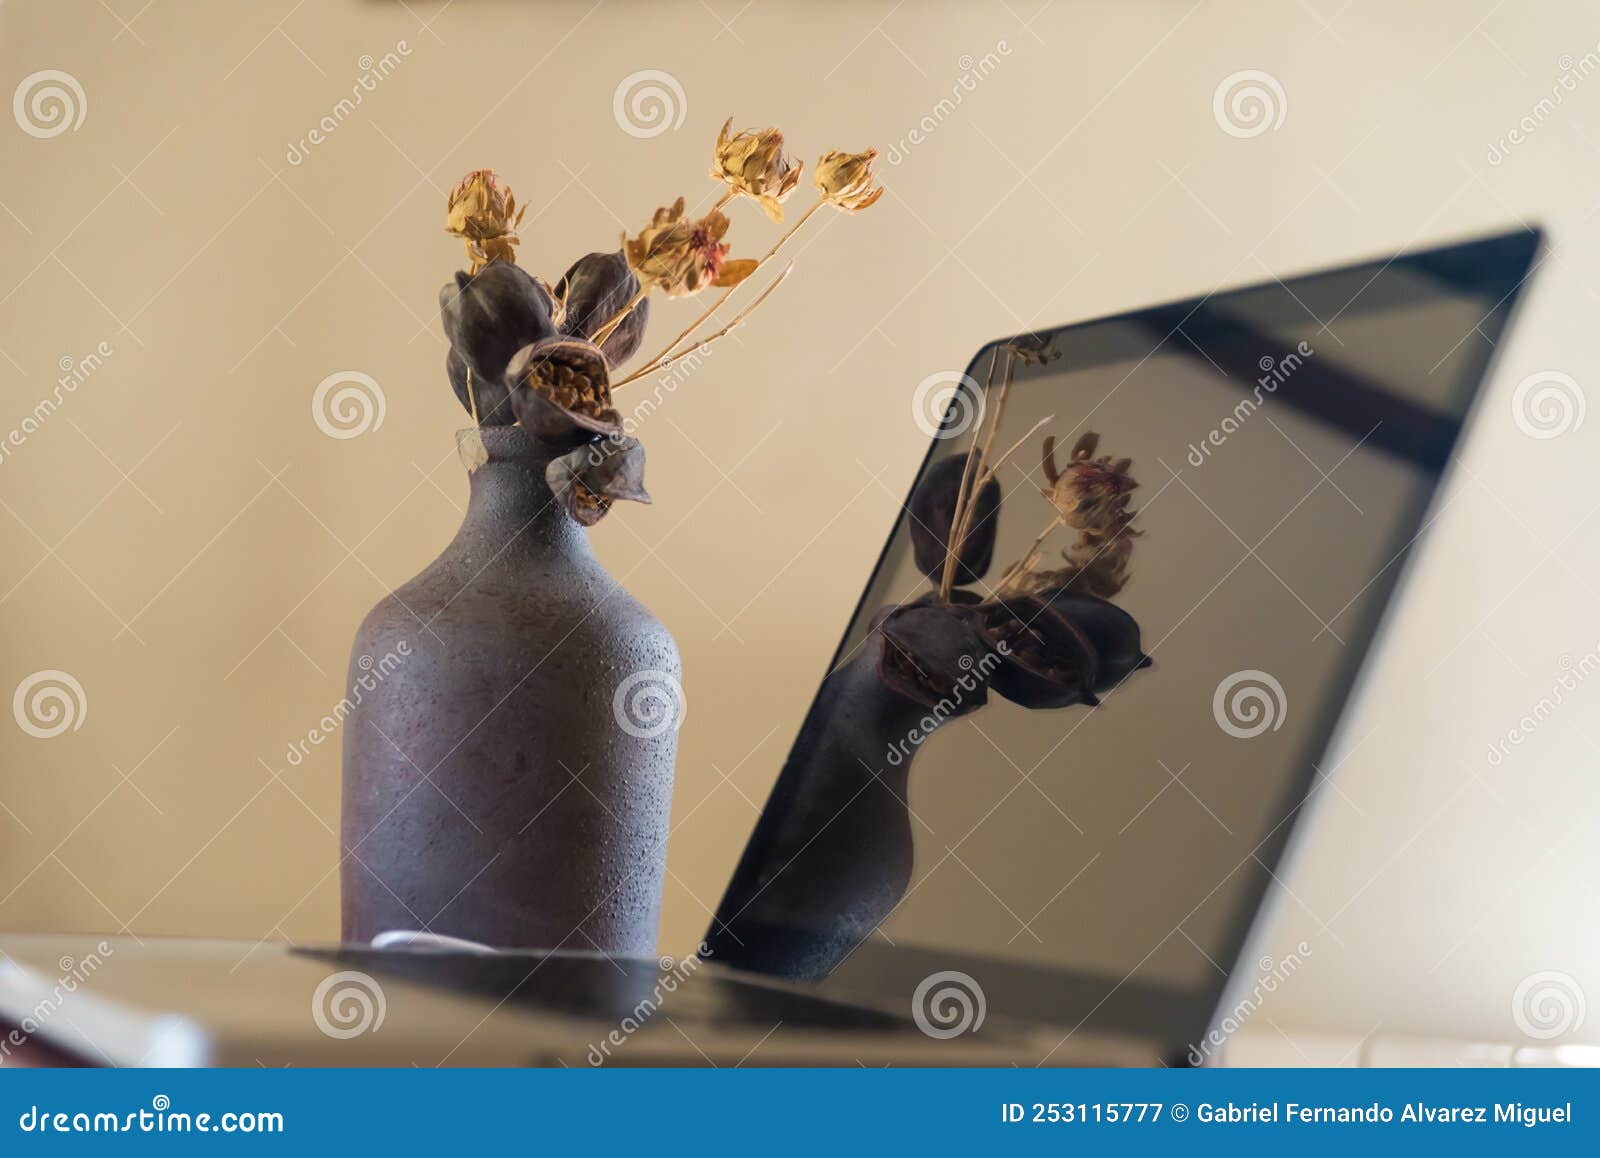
x=992, y=779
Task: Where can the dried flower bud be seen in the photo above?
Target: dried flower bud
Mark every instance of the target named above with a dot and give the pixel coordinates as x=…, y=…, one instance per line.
x=845, y=179
x=588, y=479
x=1111, y=631
x=594, y=290
x=678, y=255
x=1060, y=648
x=488, y=316
x=485, y=217
x=931, y=654
x=931, y=510
x=1049, y=662
x=753, y=163
x=561, y=391
x=1091, y=493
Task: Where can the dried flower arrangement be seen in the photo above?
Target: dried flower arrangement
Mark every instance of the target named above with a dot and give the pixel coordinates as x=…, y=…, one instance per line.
x=523, y=351
x=1059, y=638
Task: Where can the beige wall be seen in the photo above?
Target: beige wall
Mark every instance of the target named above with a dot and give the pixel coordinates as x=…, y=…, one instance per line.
x=183, y=539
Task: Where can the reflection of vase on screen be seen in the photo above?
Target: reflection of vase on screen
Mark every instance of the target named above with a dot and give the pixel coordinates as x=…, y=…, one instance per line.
x=832, y=855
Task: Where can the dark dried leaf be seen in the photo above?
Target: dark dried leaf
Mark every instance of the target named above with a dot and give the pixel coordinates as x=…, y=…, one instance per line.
x=932, y=507
x=487, y=317
x=1062, y=647
x=932, y=655
x=1111, y=631
x=494, y=402
x=1048, y=662
x=592, y=292
x=587, y=480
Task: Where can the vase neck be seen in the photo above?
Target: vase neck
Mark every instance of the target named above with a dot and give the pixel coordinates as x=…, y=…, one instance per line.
x=510, y=501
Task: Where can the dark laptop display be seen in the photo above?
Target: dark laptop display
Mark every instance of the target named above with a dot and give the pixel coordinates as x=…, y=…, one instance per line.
x=993, y=781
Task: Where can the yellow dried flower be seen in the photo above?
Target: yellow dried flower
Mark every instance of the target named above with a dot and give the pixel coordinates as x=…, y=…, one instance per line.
x=845, y=180
x=753, y=162
x=682, y=256
x=484, y=216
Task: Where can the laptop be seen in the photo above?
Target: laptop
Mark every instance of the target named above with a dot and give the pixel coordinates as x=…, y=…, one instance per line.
x=1036, y=807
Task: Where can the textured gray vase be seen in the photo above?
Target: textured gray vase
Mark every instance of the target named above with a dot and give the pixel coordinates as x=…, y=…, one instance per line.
x=497, y=784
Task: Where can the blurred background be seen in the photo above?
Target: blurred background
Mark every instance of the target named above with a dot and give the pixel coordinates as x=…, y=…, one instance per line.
x=191, y=539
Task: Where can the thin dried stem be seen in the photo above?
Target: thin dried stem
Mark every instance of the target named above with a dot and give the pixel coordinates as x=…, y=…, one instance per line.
x=990, y=472
x=1023, y=563
x=965, y=489
x=737, y=320
x=1055, y=522
x=958, y=532
x=619, y=317
x=977, y=486
x=472, y=399
x=984, y=473
x=793, y=229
